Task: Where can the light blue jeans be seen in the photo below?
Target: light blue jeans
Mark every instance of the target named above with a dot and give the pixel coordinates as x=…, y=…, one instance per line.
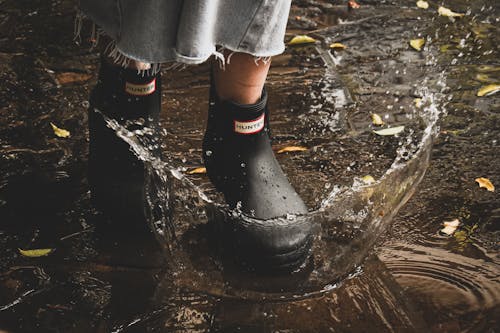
x=188, y=31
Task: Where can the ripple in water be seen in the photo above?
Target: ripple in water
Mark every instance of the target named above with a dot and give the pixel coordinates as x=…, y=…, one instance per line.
x=451, y=285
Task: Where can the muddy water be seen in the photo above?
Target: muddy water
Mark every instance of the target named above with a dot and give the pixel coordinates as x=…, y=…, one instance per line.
x=414, y=279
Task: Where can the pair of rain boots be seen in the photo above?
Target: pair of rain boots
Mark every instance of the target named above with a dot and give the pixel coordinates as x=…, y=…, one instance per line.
x=238, y=157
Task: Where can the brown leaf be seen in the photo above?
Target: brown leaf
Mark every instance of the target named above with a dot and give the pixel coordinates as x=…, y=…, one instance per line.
x=72, y=77
x=291, y=149
x=353, y=4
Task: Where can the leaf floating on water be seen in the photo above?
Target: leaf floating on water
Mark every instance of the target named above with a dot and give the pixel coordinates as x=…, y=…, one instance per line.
x=368, y=179
x=486, y=183
x=390, y=131
x=418, y=102
x=197, y=171
x=35, y=253
x=338, y=46
x=450, y=227
x=483, y=78
x=353, y=4
x=422, y=4
x=291, y=149
x=488, y=90
x=301, y=39
x=60, y=132
x=377, y=120
x=417, y=43
x=443, y=11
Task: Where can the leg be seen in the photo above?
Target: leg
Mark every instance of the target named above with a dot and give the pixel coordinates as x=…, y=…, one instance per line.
x=242, y=79
x=241, y=164
x=116, y=176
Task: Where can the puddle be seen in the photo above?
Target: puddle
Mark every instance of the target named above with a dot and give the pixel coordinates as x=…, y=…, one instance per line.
x=366, y=274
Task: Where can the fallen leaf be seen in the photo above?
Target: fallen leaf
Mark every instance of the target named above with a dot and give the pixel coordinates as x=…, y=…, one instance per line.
x=444, y=48
x=197, y=171
x=453, y=132
x=301, y=39
x=461, y=236
x=422, y=4
x=486, y=183
x=338, y=46
x=35, y=253
x=482, y=30
x=417, y=43
x=464, y=236
x=488, y=90
x=450, y=227
x=353, y=4
x=377, y=120
x=483, y=78
x=418, y=102
x=60, y=132
x=443, y=11
x=71, y=77
x=368, y=179
x=390, y=130
x=291, y=149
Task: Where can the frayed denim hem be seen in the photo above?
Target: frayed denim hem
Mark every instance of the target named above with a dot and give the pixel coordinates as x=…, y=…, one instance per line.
x=177, y=60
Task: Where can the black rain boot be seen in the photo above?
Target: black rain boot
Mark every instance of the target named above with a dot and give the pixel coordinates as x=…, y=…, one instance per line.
x=241, y=164
x=116, y=175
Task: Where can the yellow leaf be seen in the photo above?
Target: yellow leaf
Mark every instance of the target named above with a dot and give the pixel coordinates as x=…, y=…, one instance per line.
x=417, y=43
x=368, y=179
x=450, y=226
x=197, y=171
x=486, y=183
x=488, y=90
x=418, y=102
x=35, y=253
x=483, y=78
x=377, y=120
x=62, y=133
x=338, y=46
x=301, y=39
x=422, y=4
x=390, y=130
x=443, y=11
x=291, y=149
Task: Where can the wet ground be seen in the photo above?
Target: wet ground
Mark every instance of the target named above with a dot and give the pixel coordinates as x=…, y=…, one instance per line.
x=412, y=279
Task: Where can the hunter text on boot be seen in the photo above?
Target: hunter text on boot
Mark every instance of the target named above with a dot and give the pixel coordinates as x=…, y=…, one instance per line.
x=249, y=127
